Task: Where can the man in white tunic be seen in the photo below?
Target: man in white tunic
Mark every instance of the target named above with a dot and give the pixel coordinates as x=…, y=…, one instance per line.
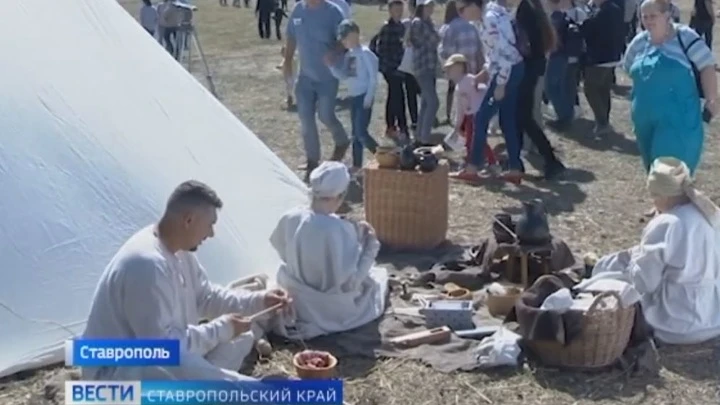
x=676, y=266
x=328, y=262
x=155, y=287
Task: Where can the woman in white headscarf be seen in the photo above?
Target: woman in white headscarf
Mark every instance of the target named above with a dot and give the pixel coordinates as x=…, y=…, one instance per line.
x=676, y=266
x=328, y=263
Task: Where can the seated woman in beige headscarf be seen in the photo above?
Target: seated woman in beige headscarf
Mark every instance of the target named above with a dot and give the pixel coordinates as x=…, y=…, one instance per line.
x=328, y=262
x=676, y=266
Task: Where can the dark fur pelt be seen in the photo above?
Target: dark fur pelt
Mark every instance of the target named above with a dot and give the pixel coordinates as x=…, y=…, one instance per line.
x=537, y=324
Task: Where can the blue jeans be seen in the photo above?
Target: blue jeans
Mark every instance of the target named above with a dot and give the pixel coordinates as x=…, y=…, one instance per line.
x=360, y=119
x=314, y=97
x=429, y=104
x=507, y=108
x=556, y=87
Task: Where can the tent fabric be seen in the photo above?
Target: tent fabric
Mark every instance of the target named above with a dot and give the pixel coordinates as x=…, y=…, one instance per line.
x=98, y=125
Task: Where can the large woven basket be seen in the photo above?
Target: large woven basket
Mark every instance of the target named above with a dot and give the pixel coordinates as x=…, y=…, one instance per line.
x=408, y=209
x=605, y=336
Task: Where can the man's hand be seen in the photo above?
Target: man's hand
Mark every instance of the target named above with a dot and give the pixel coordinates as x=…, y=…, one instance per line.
x=712, y=107
x=329, y=59
x=240, y=323
x=287, y=66
x=277, y=296
x=367, y=102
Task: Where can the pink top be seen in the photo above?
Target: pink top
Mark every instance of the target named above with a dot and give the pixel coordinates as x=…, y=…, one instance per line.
x=468, y=97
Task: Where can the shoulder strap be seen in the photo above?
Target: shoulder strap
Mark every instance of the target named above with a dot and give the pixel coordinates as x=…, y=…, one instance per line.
x=684, y=48
x=685, y=52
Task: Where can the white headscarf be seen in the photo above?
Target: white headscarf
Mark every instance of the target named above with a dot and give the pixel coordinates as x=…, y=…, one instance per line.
x=330, y=179
x=670, y=177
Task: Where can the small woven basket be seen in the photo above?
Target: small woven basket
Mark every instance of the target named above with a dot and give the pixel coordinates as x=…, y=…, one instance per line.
x=500, y=305
x=605, y=336
x=408, y=209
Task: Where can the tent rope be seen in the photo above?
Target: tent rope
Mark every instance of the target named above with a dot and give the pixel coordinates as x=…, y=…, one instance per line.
x=38, y=321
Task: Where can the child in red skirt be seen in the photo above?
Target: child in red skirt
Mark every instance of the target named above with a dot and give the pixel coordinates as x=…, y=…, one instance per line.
x=468, y=98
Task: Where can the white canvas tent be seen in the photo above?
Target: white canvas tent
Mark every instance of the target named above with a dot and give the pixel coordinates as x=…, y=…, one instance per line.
x=97, y=125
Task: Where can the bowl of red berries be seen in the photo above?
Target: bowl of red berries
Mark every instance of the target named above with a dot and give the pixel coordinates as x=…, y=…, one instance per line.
x=315, y=365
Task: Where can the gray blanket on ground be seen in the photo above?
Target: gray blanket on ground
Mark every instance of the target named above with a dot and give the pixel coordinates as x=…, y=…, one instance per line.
x=372, y=339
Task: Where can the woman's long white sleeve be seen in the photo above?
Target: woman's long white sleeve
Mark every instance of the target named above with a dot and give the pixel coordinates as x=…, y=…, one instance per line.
x=660, y=251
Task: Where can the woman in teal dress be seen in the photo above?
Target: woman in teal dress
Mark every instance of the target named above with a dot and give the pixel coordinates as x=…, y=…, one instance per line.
x=666, y=103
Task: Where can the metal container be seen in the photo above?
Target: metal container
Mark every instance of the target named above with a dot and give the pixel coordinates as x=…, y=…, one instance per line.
x=457, y=315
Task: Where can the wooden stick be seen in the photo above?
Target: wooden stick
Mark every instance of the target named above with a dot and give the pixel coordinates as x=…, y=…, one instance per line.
x=479, y=393
x=511, y=233
x=265, y=311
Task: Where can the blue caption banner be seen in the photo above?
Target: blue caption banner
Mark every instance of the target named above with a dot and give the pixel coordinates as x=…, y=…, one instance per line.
x=122, y=353
x=204, y=392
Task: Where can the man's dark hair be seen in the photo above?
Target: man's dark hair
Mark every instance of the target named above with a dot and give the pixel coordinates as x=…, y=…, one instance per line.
x=193, y=194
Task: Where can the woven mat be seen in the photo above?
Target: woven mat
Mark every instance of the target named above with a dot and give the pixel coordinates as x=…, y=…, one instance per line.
x=371, y=341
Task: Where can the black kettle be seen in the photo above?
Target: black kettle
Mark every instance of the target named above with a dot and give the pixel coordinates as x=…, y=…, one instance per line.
x=532, y=227
x=408, y=160
x=427, y=160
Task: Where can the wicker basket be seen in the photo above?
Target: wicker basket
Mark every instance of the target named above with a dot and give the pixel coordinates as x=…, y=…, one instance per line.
x=605, y=336
x=408, y=209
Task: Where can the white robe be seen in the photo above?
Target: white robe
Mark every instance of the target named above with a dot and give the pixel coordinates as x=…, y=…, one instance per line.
x=676, y=268
x=147, y=292
x=329, y=271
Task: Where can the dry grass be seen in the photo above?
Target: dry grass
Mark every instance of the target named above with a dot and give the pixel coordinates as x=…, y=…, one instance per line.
x=597, y=209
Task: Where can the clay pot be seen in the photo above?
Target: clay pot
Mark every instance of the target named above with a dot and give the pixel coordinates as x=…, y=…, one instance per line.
x=426, y=159
x=500, y=305
x=314, y=373
x=387, y=158
x=532, y=228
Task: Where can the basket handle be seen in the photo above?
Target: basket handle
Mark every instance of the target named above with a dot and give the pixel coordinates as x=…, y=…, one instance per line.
x=599, y=298
x=555, y=279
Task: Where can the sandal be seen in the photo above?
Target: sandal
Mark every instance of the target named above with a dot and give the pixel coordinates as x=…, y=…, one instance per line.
x=466, y=176
x=513, y=176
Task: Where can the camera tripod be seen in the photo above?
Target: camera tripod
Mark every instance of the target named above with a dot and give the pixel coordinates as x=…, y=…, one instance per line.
x=186, y=33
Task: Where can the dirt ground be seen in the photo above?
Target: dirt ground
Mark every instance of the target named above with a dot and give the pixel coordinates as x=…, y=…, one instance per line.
x=597, y=208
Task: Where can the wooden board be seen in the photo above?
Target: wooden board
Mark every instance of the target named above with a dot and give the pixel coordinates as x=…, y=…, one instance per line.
x=431, y=336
